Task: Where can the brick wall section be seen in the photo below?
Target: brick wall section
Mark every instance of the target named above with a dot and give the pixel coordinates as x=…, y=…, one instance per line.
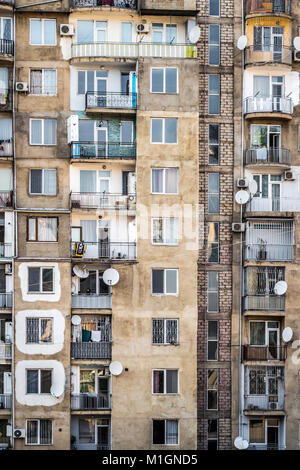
x=225, y=244
x=226, y=45
x=225, y=295
x=227, y=8
x=226, y=136
x=226, y=91
x=226, y=192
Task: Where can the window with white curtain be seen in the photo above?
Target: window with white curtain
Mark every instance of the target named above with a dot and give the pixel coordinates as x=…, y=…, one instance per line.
x=89, y=231
x=5, y=130
x=40, y=280
x=42, y=131
x=39, y=330
x=42, y=229
x=6, y=28
x=165, y=432
x=165, y=381
x=5, y=179
x=164, y=180
x=3, y=83
x=164, y=281
x=165, y=231
x=43, y=32
x=43, y=82
x=88, y=181
x=39, y=432
x=43, y=181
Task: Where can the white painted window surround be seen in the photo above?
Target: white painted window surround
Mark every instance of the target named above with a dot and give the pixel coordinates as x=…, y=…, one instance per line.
x=35, y=297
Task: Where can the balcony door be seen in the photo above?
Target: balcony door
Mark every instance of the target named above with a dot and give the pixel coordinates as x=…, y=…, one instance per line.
x=277, y=36
x=104, y=238
x=101, y=139
x=273, y=340
x=272, y=434
x=103, y=433
x=101, y=80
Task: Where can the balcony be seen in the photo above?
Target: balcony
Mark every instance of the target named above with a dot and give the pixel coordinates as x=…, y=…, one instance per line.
x=264, y=302
x=6, y=47
x=110, y=102
x=269, y=240
x=268, y=54
x=5, y=350
x=134, y=50
x=90, y=401
x=91, y=301
x=6, y=250
x=109, y=150
x=101, y=350
x=119, y=251
x=275, y=204
x=168, y=7
x=264, y=402
x=6, y=148
x=6, y=198
x=269, y=252
x=132, y=4
x=264, y=353
x=5, y=402
x=270, y=6
x=263, y=155
x=6, y=300
x=5, y=99
x=272, y=104
x=105, y=201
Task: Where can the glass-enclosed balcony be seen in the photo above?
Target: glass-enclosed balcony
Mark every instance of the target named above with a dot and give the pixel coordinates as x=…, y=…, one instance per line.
x=264, y=388
x=270, y=6
x=271, y=240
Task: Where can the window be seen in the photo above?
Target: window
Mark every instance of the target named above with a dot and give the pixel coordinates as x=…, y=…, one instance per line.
x=40, y=280
x=85, y=81
x=42, y=182
x=257, y=431
x=164, y=80
x=164, y=131
x=43, y=82
x=212, y=292
x=214, y=94
x=212, y=340
x=39, y=330
x=164, y=281
x=214, y=44
x=164, y=180
x=165, y=231
x=212, y=389
x=213, y=242
x=39, y=432
x=213, y=144
x=42, y=229
x=164, y=33
x=213, y=193
x=5, y=130
x=165, y=381
x=43, y=32
x=91, y=31
x=94, y=284
x=165, y=432
x=6, y=28
x=214, y=7
x=164, y=331
x=126, y=136
x=38, y=381
x=42, y=131
x=212, y=434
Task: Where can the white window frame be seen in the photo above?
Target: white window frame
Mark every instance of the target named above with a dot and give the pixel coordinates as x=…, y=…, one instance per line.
x=164, y=32
x=165, y=281
x=40, y=329
x=43, y=32
x=11, y=27
x=165, y=382
x=38, y=433
x=43, y=132
x=267, y=329
x=165, y=420
x=39, y=381
x=43, y=82
x=43, y=181
x=164, y=180
x=41, y=268
x=163, y=131
x=164, y=222
x=121, y=134
x=164, y=320
x=215, y=94
x=164, y=81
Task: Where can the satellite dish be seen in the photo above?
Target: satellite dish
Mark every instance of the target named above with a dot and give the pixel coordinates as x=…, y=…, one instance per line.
x=297, y=43
x=242, y=197
x=194, y=34
x=73, y=288
x=111, y=277
x=287, y=334
x=81, y=272
x=238, y=442
x=253, y=187
x=56, y=390
x=280, y=288
x=76, y=320
x=116, y=368
x=245, y=444
x=242, y=43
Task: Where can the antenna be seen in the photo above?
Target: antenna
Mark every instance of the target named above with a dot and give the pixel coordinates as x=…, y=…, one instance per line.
x=81, y=271
x=296, y=43
x=116, y=368
x=111, y=277
x=287, y=334
x=242, y=43
x=194, y=34
x=280, y=288
x=242, y=197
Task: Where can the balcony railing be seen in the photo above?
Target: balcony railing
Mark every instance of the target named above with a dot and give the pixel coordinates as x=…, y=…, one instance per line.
x=134, y=50
x=6, y=47
x=5, y=402
x=270, y=6
x=266, y=447
x=101, y=301
x=101, y=350
x=264, y=353
x=268, y=54
x=274, y=104
x=275, y=204
x=269, y=252
x=264, y=402
x=6, y=300
x=109, y=150
x=6, y=250
x=90, y=401
x=264, y=302
x=103, y=201
x=5, y=350
x=111, y=250
x=132, y=4
x=5, y=99
x=262, y=155
x=91, y=446
x=95, y=100
x=6, y=148
x=6, y=198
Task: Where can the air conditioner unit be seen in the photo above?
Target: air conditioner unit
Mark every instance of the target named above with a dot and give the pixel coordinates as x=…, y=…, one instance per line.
x=297, y=56
x=19, y=433
x=66, y=29
x=143, y=28
x=238, y=227
x=273, y=405
x=289, y=175
x=242, y=183
x=21, y=86
x=8, y=269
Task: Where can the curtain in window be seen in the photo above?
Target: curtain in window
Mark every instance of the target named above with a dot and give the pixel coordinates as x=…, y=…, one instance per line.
x=32, y=432
x=3, y=81
x=50, y=182
x=87, y=381
x=46, y=377
x=158, y=381
x=89, y=230
x=50, y=82
x=157, y=231
x=49, y=32
x=45, y=431
x=157, y=181
x=47, y=229
x=49, y=131
x=87, y=181
x=171, y=432
x=7, y=28
x=171, y=231
x=257, y=431
x=261, y=88
x=257, y=333
x=85, y=32
x=36, y=131
x=5, y=179
x=171, y=180
x=47, y=280
x=87, y=430
x=36, y=82
x=5, y=130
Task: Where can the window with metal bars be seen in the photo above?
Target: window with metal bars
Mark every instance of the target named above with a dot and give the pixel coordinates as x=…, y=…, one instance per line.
x=164, y=331
x=39, y=432
x=39, y=330
x=261, y=280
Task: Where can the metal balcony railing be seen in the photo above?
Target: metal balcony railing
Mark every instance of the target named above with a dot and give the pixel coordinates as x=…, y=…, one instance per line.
x=6, y=300
x=270, y=6
x=270, y=252
x=91, y=446
x=99, y=301
x=264, y=402
x=101, y=350
x=5, y=350
x=262, y=155
x=103, y=201
x=264, y=302
x=90, y=401
x=275, y=204
x=264, y=353
x=6, y=250
x=266, y=447
x=110, y=250
x=110, y=100
x=273, y=104
x=5, y=402
x=271, y=53
x=132, y=4
x=108, y=150
x=6, y=148
x=6, y=47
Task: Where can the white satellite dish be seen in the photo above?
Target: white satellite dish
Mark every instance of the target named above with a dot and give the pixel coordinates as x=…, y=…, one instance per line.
x=73, y=288
x=287, y=334
x=297, y=43
x=253, y=187
x=111, y=277
x=116, y=368
x=238, y=442
x=245, y=444
x=242, y=43
x=76, y=320
x=280, y=288
x=56, y=390
x=194, y=34
x=81, y=272
x=242, y=197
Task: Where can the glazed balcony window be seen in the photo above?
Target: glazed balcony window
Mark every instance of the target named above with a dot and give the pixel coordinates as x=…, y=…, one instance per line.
x=265, y=146
x=270, y=6
x=268, y=96
x=259, y=288
x=269, y=45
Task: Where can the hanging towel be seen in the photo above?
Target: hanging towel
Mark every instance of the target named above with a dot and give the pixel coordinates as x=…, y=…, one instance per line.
x=86, y=336
x=96, y=336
